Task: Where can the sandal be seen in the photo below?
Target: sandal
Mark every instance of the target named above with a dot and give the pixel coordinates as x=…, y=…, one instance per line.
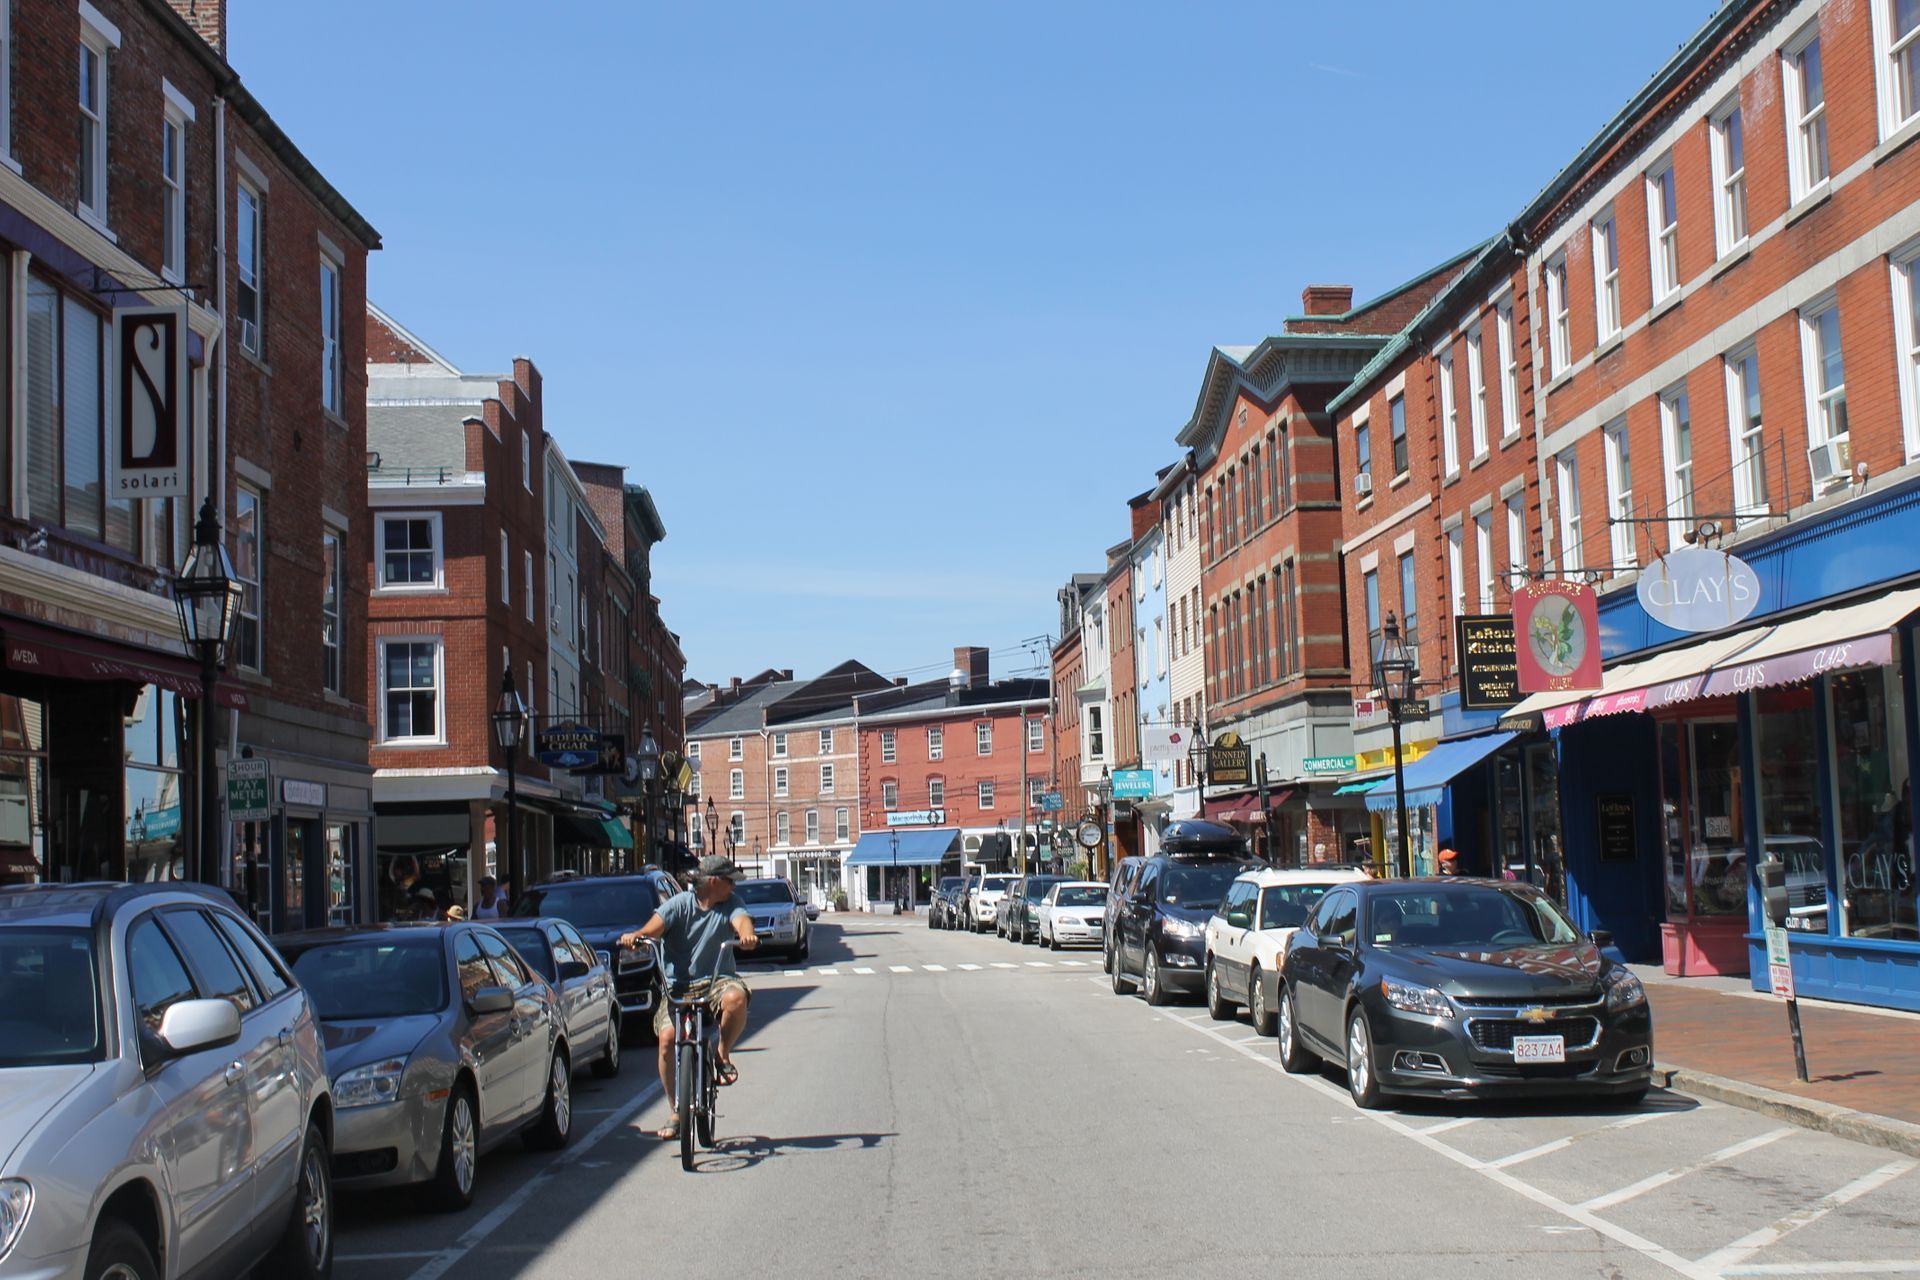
x=669, y=1134
x=726, y=1073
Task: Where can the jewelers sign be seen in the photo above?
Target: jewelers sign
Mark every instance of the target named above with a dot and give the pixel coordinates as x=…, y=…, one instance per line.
x=1489, y=662
x=1697, y=589
x=148, y=402
x=1556, y=627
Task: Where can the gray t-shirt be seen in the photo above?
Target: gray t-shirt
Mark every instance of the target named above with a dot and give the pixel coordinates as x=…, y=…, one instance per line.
x=694, y=934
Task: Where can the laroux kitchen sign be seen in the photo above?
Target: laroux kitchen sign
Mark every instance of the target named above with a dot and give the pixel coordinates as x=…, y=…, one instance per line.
x=1695, y=589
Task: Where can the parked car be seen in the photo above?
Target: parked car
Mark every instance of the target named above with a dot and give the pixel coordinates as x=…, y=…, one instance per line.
x=602, y=908
x=1073, y=914
x=1121, y=882
x=1022, y=907
x=941, y=910
x=1248, y=935
x=442, y=1044
x=778, y=917
x=581, y=982
x=1460, y=988
x=163, y=1094
x=1160, y=926
x=983, y=907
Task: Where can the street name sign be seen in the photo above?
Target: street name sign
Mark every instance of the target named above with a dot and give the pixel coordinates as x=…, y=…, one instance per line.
x=1327, y=764
x=1779, y=962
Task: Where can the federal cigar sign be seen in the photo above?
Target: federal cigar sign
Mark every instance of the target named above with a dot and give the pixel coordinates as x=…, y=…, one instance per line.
x=149, y=415
x=1489, y=662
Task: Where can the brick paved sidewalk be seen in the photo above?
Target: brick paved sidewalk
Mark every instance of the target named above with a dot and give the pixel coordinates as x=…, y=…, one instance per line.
x=1868, y=1062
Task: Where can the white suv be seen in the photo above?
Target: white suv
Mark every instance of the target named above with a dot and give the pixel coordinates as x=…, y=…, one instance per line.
x=985, y=900
x=1247, y=937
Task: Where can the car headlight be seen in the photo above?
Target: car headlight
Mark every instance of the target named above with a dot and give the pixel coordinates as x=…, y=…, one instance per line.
x=1183, y=928
x=1408, y=998
x=1624, y=991
x=16, y=1202
x=369, y=1086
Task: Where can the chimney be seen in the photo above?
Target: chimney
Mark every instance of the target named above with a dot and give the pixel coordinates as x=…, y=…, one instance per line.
x=208, y=18
x=786, y=673
x=713, y=694
x=1323, y=299
x=733, y=686
x=899, y=682
x=969, y=666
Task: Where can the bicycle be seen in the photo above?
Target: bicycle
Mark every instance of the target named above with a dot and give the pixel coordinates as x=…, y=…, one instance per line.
x=696, y=1085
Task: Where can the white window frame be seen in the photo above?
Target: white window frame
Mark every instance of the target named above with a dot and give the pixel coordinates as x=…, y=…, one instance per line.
x=1804, y=123
x=250, y=213
x=737, y=825
x=983, y=738
x=936, y=742
x=1509, y=372
x=783, y=827
x=1663, y=238
x=1483, y=557
x=826, y=742
x=252, y=661
x=1821, y=399
x=736, y=784
x=1906, y=297
x=1604, y=236
x=527, y=562
x=526, y=459
x=333, y=668
x=102, y=39
x=1566, y=483
x=983, y=791
x=1095, y=717
x=1516, y=541
x=842, y=825
x=381, y=587
x=810, y=826
x=779, y=746
x=175, y=116
x=439, y=734
x=1730, y=230
x=889, y=746
x=1746, y=442
x=1037, y=732
x=1457, y=570
x=782, y=783
x=1449, y=413
x=826, y=780
x=736, y=748
x=1624, y=546
x=1676, y=462
x=333, y=391
x=506, y=569
x=1889, y=51
x=1477, y=390
x=889, y=794
x=1559, y=316
x=936, y=792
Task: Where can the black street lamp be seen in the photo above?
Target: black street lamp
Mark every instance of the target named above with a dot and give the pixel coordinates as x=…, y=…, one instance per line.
x=1197, y=753
x=1395, y=675
x=713, y=827
x=893, y=838
x=510, y=731
x=648, y=756
x=208, y=597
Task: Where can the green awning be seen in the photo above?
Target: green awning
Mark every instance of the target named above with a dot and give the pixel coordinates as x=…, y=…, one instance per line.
x=1361, y=787
x=618, y=836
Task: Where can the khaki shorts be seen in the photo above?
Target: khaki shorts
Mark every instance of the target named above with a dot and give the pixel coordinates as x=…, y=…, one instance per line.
x=663, y=1016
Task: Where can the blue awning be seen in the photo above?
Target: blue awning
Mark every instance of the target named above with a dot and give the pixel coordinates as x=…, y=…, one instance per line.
x=1428, y=776
x=1361, y=786
x=919, y=847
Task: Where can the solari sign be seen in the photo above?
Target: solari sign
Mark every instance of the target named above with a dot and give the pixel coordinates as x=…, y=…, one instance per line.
x=149, y=416
x=1696, y=589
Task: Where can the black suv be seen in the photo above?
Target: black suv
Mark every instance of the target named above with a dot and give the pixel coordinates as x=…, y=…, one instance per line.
x=942, y=913
x=1022, y=907
x=1160, y=925
x=602, y=908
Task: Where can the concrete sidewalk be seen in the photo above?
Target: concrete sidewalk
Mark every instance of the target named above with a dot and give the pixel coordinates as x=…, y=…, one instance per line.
x=1718, y=1038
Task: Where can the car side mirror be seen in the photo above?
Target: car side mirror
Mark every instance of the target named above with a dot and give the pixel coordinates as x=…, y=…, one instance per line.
x=188, y=1026
x=1601, y=937
x=491, y=1000
x=571, y=969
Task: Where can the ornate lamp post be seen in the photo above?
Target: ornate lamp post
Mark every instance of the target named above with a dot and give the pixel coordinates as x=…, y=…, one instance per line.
x=1197, y=753
x=713, y=827
x=207, y=596
x=1395, y=675
x=510, y=731
x=648, y=756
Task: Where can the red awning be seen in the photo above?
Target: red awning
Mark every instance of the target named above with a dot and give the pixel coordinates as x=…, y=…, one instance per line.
x=67, y=655
x=1243, y=807
x=18, y=862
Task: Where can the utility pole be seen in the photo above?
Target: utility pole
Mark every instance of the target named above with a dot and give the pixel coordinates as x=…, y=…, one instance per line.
x=1022, y=836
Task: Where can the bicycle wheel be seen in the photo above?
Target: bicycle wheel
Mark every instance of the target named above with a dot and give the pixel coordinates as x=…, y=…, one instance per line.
x=686, y=1086
x=709, y=1096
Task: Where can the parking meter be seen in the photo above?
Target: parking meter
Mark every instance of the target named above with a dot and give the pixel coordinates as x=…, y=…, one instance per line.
x=1773, y=890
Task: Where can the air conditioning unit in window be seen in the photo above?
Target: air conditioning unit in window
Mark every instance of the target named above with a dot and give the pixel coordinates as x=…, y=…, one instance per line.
x=1362, y=484
x=1832, y=462
x=249, y=335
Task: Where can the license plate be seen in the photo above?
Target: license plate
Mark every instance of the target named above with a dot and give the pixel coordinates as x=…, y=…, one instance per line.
x=1539, y=1048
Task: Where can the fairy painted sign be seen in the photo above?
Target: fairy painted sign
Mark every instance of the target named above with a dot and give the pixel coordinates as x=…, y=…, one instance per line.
x=1557, y=627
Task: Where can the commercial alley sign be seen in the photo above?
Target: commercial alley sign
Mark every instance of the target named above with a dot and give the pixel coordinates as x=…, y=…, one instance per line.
x=1697, y=589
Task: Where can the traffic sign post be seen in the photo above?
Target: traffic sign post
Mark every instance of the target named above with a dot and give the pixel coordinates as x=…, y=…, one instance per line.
x=1773, y=898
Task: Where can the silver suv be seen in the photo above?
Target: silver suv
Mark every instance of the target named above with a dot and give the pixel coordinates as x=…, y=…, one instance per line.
x=164, y=1106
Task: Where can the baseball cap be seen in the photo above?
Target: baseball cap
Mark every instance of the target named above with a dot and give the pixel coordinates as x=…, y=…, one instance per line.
x=1448, y=855
x=719, y=864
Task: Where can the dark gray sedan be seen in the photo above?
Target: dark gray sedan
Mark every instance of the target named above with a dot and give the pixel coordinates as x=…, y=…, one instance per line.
x=580, y=980
x=441, y=1043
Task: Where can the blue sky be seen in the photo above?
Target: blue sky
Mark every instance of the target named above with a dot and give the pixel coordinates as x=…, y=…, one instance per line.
x=894, y=305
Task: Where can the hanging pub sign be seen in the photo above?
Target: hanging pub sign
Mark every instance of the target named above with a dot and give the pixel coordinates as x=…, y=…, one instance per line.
x=567, y=746
x=1489, y=664
x=1230, y=763
x=610, y=757
x=148, y=403
x=1556, y=626
x=1697, y=589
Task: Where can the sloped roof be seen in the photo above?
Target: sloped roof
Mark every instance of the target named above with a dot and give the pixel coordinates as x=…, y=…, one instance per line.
x=418, y=437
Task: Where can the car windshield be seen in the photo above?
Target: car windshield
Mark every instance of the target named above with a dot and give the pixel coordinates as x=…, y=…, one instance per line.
x=593, y=904
x=383, y=976
x=1198, y=887
x=949, y=883
x=532, y=948
x=1037, y=889
x=1083, y=895
x=1467, y=918
x=1287, y=906
x=762, y=892
x=49, y=998
x=996, y=884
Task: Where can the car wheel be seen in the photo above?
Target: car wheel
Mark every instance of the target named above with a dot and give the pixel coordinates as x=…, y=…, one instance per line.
x=1257, y=1003
x=1217, y=1008
x=1053, y=944
x=1122, y=984
x=806, y=946
x=1106, y=953
x=1363, y=1079
x=305, y=1250
x=556, y=1116
x=607, y=1065
x=1150, y=984
x=1294, y=1056
x=459, y=1167
x=118, y=1253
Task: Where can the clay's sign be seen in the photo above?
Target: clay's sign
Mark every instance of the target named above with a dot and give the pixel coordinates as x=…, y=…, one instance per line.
x=1556, y=627
x=1695, y=589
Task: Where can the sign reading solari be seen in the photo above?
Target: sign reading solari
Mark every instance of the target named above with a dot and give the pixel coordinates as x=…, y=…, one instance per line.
x=1489, y=662
x=148, y=400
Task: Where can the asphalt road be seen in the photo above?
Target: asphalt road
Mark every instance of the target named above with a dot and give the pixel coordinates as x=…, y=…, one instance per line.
x=943, y=1104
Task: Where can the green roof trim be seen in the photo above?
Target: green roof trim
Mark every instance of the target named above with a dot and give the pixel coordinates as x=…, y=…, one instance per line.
x=1392, y=293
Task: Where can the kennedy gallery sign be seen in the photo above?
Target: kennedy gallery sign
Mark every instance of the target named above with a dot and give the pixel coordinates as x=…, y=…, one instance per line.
x=149, y=420
x=1694, y=589
x=1556, y=627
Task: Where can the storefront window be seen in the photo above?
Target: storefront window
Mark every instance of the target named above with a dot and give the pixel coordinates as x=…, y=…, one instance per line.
x=151, y=741
x=1673, y=820
x=1789, y=799
x=1543, y=820
x=23, y=790
x=1509, y=809
x=300, y=835
x=1874, y=803
x=342, y=866
x=1717, y=859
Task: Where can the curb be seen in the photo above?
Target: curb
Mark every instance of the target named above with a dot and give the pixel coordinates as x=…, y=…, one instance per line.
x=1807, y=1113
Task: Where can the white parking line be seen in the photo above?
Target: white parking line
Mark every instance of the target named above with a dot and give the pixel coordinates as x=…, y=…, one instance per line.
x=1252, y=1039
x=1074, y=964
x=934, y=968
x=796, y=973
x=1002, y=964
x=1561, y=1144
x=828, y=973
x=1460, y=1123
x=1892, y=1267
x=1674, y=1174
x=864, y=971
x=970, y=968
x=1754, y=1241
x=898, y=968
x=1038, y=964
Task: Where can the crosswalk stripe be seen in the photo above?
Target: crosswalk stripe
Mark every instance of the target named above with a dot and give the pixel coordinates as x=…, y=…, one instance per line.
x=934, y=968
x=970, y=967
x=1038, y=964
x=796, y=973
x=863, y=971
x=1074, y=964
x=901, y=968
x=1002, y=964
x=828, y=973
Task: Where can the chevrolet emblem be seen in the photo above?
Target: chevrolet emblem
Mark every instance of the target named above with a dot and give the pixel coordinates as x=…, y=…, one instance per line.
x=1535, y=1015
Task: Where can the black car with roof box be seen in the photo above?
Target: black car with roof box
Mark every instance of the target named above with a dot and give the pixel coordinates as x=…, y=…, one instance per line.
x=1159, y=921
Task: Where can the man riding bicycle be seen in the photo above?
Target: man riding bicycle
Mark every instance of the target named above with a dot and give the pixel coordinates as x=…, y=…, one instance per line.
x=691, y=927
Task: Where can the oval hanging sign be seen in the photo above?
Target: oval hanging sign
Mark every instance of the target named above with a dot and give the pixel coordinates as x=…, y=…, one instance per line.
x=1696, y=589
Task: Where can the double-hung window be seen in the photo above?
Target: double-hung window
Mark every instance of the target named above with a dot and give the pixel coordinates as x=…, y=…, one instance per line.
x=779, y=746
x=889, y=746
x=1449, y=413
x=783, y=827
x=1663, y=228
x=1906, y=335
x=1370, y=593
x=826, y=742
x=1483, y=558
x=247, y=247
x=1729, y=178
x=249, y=542
x=936, y=792
x=1096, y=733
x=526, y=564
x=97, y=38
x=1477, y=389
x=736, y=784
x=1363, y=454
x=812, y=826
x=173, y=185
x=826, y=779
x=1409, y=601
x=1606, y=275
x=736, y=749
x=889, y=794
x=1896, y=31
x=331, y=392
x=983, y=738
x=780, y=783
x=1559, y=318
x=506, y=569
x=410, y=690
x=936, y=742
x=1397, y=429
x=1037, y=729
x=842, y=826
x=1516, y=542
x=1456, y=571
x=332, y=596
x=1567, y=482
x=1806, y=113
x=1826, y=373
x=1676, y=441
x=986, y=793
x=1509, y=373
x=1620, y=496
x=409, y=552
x=1749, y=447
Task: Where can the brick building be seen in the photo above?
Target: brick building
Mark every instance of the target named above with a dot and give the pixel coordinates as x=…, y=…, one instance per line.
x=139, y=171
